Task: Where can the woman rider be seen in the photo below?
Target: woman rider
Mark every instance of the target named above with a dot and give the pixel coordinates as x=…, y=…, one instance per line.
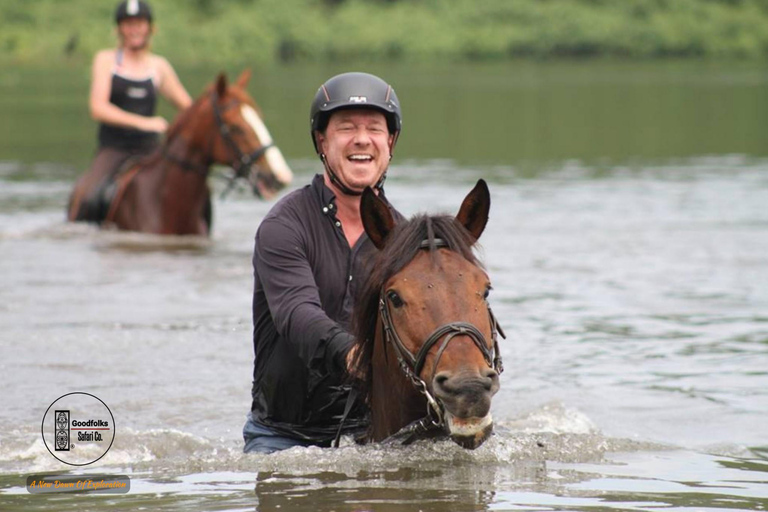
x=124, y=86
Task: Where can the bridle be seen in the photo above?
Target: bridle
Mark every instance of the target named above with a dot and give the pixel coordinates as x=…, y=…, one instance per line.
x=241, y=162
x=412, y=365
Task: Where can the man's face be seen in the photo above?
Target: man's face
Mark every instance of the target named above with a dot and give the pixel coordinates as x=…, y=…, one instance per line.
x=134, y=32
x=357, y=146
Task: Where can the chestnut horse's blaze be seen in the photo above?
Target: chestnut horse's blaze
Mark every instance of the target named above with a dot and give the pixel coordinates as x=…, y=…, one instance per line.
x=167, y=192
x=430, y=361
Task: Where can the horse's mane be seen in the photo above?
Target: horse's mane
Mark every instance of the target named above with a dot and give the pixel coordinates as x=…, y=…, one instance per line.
x=183, y=118
x=402, y=245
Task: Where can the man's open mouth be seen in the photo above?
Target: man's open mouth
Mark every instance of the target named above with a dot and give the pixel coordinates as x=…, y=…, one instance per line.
x=360, y=158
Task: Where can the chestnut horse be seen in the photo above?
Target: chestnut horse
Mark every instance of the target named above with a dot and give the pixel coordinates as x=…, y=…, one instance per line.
x=167, y=192
x=427, y=352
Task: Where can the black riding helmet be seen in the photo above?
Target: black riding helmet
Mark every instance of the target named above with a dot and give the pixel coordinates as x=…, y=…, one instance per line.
x=355, y=90
x=133, y=9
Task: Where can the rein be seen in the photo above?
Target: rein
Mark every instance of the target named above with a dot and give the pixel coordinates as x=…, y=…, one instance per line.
x=201, y=169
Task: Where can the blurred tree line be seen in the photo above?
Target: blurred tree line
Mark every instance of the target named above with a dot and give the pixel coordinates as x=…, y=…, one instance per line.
x=266, y=31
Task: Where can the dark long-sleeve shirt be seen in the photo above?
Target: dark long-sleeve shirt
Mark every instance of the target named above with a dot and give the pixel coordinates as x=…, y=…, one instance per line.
x=305, y=282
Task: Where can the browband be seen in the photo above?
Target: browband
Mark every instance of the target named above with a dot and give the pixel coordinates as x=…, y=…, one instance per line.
x=439, y=242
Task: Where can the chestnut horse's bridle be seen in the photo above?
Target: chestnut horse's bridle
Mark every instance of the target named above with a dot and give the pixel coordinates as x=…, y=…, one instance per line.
x=241, y=162
x=411, y=365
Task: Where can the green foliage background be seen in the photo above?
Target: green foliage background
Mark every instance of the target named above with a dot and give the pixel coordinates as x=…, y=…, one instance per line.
x=267, y=31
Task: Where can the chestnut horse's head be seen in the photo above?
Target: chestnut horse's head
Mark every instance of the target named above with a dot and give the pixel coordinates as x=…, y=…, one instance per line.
x=240, y=138
x=433, y=349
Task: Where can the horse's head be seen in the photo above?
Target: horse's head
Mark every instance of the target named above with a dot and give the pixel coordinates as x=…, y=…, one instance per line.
x=243, y=140
x=433, y=311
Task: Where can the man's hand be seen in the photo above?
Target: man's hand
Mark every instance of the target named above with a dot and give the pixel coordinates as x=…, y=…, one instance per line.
x=352, y=368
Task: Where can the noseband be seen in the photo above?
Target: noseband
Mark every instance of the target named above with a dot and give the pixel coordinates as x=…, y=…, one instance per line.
x=412, y=365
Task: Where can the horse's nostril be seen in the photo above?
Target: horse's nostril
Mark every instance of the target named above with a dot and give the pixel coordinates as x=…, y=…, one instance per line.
x=491, y=379
x=441, y=379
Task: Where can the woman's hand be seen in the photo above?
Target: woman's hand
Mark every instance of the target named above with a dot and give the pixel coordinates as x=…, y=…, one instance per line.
x=154, y=124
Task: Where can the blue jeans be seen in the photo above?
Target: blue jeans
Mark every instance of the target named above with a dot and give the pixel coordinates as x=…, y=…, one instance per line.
x=261, y=439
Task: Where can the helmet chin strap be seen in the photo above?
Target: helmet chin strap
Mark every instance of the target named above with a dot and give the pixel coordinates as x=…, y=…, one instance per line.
x=342, y=187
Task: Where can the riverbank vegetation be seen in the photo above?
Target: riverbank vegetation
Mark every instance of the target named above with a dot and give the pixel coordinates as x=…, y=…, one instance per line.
x=268, y=31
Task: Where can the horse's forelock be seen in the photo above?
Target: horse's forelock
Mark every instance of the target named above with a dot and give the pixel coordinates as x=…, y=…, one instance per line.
x=242, y=96
x=402, y=246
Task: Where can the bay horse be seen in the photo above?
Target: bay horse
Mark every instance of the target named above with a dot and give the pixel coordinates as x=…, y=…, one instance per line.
x=426, y=354
x=167, y=192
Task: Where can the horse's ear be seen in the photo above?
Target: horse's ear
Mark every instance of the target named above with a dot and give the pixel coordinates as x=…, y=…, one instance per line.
x=221, y=85
x=242, y=80
x=377, y=219
x=473, y=214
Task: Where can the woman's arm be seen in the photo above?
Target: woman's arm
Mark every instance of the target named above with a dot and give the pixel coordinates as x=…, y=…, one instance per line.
x=171, y=87
x=104, y=111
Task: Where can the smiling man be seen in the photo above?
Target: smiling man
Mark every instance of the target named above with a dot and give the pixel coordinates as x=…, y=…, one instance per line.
x=309, y=258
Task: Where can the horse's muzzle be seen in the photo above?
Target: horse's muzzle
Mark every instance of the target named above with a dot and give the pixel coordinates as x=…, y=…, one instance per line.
x=469, y=433
x=466, y=396
x=467, y=403
x=263, y=183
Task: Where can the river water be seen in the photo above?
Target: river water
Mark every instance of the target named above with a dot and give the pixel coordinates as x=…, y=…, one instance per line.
x=633, y=291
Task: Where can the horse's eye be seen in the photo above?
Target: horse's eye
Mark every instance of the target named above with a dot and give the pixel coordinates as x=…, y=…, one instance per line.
x=395, y=299
x=487, y=292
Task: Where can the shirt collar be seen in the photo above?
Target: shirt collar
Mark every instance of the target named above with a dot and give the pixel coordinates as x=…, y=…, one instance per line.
x=326, y=195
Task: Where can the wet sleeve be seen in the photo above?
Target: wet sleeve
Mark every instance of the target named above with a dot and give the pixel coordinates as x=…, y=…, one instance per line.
x=282, y=265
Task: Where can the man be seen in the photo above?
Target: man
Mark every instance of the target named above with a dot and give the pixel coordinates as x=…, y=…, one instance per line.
x=309, y=259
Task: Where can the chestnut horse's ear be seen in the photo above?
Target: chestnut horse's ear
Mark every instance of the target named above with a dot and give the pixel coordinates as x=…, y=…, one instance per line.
x=242, y=80
x=221, y=85
x=473, y=214
x=377, y=219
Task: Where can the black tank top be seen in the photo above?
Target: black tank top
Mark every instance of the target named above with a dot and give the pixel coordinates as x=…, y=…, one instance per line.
x=138, y=97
